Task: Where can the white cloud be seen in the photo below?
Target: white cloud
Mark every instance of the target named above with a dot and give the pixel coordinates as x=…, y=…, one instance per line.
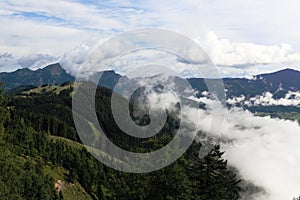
x=70, y=12
x=261, y=36
x=22, y=37
x=261, y=22
x=265, y=151
x=236, y=100
x=36, y=61
x=291, y=98
x=232, y=59
x=72, y=60
x=58, y=27
x=225, y=52
x=9, y=63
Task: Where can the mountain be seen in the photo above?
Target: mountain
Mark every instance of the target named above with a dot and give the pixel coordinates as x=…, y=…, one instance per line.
x=278, y=83
x=108, y=79
x=287, y=77
x=25, y=79
x=52, y=74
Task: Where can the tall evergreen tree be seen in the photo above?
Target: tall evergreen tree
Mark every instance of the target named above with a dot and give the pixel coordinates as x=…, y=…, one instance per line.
x=211, y=178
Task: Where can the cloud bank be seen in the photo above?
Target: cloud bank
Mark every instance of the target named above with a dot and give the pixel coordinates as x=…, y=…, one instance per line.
x=291, y=98
x=265, y=151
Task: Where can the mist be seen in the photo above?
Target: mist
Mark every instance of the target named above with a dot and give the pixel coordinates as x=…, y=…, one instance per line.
x=265, y=151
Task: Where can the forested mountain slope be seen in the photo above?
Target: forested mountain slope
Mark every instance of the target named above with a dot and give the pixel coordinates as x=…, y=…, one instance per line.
x=35, y=156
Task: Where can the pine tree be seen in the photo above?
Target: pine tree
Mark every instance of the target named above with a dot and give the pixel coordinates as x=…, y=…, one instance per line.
x=211, y=177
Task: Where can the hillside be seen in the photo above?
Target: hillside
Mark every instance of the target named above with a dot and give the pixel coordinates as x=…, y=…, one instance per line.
x=40, y=142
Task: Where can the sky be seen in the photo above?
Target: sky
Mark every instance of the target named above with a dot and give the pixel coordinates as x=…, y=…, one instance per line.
x=241, y=38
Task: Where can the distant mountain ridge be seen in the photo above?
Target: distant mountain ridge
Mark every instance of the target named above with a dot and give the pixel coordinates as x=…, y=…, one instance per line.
x=278, y=83
x=51, y=74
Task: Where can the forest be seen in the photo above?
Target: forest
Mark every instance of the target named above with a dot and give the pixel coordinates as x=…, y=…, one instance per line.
x=39, y=146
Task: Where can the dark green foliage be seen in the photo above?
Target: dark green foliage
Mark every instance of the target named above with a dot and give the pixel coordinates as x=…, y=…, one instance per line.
x=46, y=112
x=30, y=124
x=21, y=177
x=212, y=178
x=27, y=148
x=23, y=180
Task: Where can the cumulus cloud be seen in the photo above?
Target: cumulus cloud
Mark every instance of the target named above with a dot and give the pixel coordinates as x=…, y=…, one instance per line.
x=44, y=27
x=34, y=61
x=232, y=59
x=73, y=59
x=125, y=52
x=98, y=54
x=242, y=54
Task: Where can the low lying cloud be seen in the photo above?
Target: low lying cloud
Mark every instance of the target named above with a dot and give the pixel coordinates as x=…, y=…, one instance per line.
x=264, y=150
x=291, y=98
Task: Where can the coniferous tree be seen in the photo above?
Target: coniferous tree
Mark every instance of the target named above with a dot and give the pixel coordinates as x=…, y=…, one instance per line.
x=211, y=177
